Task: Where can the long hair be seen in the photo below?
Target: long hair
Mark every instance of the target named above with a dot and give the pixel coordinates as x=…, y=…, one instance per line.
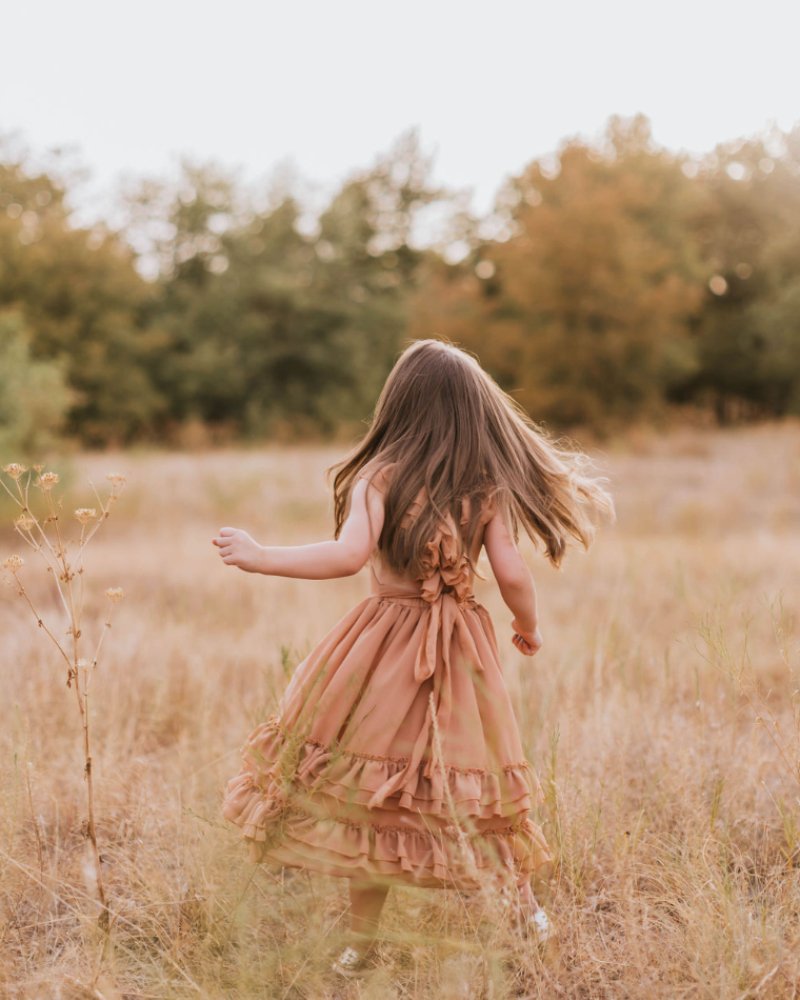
x=453, y=431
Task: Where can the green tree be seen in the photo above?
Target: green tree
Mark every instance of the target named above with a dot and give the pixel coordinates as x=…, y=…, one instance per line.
x=83, y=303
x=583, y=310
x=746, y=226
x=267, y=325
x=34, y=396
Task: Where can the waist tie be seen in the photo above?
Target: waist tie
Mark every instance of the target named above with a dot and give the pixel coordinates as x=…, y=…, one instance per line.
x=443, y=613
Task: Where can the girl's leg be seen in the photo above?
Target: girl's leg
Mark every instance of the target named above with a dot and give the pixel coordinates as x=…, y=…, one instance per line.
x=366, y=903
x=527, y=899
x=532, y=916
x=519, y=900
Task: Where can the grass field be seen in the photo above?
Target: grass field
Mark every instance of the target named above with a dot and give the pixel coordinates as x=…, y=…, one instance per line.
x=662, y=715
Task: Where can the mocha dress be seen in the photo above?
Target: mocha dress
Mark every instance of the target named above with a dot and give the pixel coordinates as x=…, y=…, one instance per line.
x=394, y=753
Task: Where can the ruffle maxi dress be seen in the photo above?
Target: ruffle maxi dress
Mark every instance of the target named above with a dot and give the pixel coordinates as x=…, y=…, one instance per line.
x=395, y=753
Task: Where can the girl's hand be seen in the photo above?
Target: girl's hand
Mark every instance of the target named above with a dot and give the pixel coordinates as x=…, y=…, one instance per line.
x=528, y=643
x=237, y=548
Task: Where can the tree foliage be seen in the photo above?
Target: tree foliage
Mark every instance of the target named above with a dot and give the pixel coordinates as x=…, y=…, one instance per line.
x=84, y=305
x=620, y=280
x=34, y=396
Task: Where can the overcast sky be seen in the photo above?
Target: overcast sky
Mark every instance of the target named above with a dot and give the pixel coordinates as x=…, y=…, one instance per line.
x=326, y=85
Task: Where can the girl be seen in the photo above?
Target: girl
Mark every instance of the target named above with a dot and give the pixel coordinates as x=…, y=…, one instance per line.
x=395, y=755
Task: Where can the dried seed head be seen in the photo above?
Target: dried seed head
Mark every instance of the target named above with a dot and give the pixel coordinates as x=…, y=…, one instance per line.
x=24, y=522
x=115, y=594
x=47, y=480
x=116, y=478
x=14, y=470
x=86, y=514
x=13, y=563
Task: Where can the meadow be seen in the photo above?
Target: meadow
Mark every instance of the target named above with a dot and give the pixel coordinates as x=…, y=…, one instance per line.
x=662, y=716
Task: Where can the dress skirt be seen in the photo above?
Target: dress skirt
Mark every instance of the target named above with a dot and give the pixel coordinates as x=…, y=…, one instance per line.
x=395, y=753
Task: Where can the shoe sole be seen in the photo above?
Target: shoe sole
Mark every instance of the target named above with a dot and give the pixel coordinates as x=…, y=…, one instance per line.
x=346, y=973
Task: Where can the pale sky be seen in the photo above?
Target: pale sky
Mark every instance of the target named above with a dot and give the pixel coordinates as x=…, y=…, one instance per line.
x=327, y=85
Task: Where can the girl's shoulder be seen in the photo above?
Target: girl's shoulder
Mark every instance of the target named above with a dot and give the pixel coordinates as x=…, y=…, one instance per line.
x=488, y=507
x=377, y=474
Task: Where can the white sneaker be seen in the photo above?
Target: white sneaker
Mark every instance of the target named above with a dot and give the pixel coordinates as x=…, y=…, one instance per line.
x=540, y=925
x=350, y=963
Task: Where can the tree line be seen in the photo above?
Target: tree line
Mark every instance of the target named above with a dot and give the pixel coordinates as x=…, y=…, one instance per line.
x=613, y=281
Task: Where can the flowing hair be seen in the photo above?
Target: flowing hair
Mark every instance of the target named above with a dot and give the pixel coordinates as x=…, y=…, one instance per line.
x=450, y=429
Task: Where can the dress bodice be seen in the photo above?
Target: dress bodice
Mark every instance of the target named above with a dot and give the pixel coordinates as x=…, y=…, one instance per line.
x=445, y=569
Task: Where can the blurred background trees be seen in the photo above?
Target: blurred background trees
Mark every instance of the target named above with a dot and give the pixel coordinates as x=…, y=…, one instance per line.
x=621, y=282
x=34, y=396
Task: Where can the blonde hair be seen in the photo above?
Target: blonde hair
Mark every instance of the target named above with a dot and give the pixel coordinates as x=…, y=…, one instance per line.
x=451, y=429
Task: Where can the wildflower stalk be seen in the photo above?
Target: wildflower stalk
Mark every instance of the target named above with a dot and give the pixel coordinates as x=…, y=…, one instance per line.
x=56, y=555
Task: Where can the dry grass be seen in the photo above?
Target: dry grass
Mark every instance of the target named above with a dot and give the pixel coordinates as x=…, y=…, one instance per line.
x=663, y=716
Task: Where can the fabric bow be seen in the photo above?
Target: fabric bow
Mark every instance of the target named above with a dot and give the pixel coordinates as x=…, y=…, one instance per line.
x=445, y=586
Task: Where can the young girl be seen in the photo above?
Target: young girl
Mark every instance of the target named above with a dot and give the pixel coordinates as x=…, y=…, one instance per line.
x=395, y=755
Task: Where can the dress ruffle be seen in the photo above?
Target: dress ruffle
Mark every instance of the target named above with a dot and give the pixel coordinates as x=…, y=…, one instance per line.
x=320, y=819
x=395, y=750
x=415, y=857
x=444, y=566
x=354, y=778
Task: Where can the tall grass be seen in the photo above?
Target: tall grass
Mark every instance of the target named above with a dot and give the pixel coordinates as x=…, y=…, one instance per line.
x=661, y=715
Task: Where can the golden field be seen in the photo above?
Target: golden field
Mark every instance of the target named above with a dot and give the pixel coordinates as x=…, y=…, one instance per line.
x=662, y=715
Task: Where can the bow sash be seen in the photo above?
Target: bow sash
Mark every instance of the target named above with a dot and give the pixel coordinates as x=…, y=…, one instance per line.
x=444, y=617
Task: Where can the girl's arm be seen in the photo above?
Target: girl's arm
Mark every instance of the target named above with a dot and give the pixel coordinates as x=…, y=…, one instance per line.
x=515, y=582
x=343, y=556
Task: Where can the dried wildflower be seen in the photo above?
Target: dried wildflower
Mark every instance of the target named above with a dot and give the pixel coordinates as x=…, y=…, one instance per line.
x=86, y=514
x=14, y=470
x=13, y=563
x=24, y=522
x=116, y=478
x=47, y=481
x=115, y=594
